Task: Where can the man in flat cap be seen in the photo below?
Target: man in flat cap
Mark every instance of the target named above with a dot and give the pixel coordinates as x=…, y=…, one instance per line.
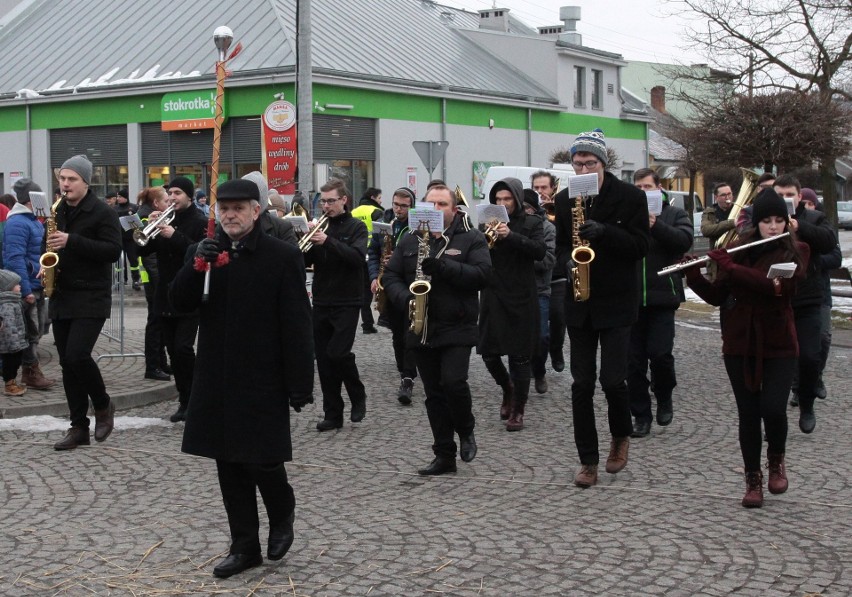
x=255, y=359
x=88, y=242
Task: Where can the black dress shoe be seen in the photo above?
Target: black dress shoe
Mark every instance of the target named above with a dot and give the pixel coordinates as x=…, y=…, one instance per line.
x=280, y=538
x=467, y=449
x=157, y=374
x=236, y=563
x=807, y=420
x=359, y=411
x=328, y=425
x=641, y=428
x=180, y=414
x=558, y=364
x=369, y=329
x=167, y=369
x=665, y=412
x=439, y=466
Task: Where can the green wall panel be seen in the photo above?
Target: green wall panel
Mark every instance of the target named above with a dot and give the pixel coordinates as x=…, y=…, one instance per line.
x=96, y=112
x=572, y=124
x=479, y=114
x=13, y=118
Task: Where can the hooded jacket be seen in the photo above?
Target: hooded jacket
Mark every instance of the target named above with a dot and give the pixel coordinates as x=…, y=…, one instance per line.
x=23, y=239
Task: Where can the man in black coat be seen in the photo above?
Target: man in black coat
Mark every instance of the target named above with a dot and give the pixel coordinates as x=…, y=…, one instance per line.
x=123, y=207
x=509, y=321
x=255, y=360
x=268, y=220
x=178, y=329
x=338, y=256
x=652, y=336
x=458, y=266
x=88, y=242
x=616, y=228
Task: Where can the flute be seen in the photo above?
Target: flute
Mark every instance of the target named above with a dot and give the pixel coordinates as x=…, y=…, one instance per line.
x=701, y=260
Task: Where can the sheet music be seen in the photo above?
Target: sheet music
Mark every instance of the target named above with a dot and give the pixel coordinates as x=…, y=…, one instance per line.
x=433, y=217
x=41, y=206
x=300, y=224
x=655, y=201
x=382, y=228
x=486, y=213
x=781, y=270
x=584, y=185
x=131, y=222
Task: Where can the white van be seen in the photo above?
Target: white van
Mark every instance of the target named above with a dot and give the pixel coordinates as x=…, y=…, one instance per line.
x=678, y=199
x=523, y=174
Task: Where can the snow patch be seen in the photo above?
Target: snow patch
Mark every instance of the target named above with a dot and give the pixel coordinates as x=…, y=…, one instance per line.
x=45, y=423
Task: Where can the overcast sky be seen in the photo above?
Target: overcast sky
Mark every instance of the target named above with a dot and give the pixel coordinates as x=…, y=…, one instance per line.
x=636, y=29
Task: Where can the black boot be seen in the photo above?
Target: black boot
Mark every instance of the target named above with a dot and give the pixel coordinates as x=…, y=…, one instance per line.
x=405, y=388
x=180, y=414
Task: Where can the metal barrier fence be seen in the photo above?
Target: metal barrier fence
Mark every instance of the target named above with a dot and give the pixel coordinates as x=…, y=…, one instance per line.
x=114, y=326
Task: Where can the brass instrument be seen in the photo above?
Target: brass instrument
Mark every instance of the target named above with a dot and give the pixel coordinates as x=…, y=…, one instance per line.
x=549, y=211
x=49, y=260
x=387, y=249
x=460, y=198
x=582, y=255
x=747, y=193
x=153, y=228
x=420, y=287
x=701, y=260
x=490, y=232
x=298, y=210
x=305, y=243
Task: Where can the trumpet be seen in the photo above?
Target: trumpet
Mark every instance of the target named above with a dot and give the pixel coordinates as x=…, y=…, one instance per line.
x=490, y=232
x=143, y=236
x=305, y=243
x=702, y=260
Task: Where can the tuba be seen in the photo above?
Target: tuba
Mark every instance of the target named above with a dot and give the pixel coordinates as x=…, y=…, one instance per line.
x=582, y=255
x=747, y=193
x=420, y=287
x=305, y=243
x=49, y=260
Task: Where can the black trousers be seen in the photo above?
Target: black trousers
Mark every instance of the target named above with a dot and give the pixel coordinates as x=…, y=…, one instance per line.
x=367, y=306
x=179, y=337
x=519, y=373
x=448, y=403
x=81, y=378
x=405, y=359
x=239, y=482
x=11, y=364
x=155, y=350
x=768, y=404
x=614, y=344
x=809, y=332
x=557, y=319
x=334, y=335
x=539, y=359
x=651, y=342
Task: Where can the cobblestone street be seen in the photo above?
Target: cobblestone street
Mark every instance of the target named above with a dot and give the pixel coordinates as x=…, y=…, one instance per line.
x=134, y=516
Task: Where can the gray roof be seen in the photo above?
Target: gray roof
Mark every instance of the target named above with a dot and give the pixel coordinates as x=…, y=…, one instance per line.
x=413, y=42
x=664, y=149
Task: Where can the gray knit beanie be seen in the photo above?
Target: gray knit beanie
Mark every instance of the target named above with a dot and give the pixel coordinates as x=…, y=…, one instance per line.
x=22, y=189
x=81, y=165
x=8, y=279
x=592, y=142
x=262, y=188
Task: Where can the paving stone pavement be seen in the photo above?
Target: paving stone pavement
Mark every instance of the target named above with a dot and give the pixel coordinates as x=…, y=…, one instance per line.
x=134, y=516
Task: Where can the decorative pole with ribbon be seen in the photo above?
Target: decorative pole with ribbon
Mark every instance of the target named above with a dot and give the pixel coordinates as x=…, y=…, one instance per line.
x=222, y=37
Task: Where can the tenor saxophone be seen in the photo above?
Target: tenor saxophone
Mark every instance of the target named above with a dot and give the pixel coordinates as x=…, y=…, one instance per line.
x=49, y=260
x=420, y=287
x=582, y=255
x=387, y=249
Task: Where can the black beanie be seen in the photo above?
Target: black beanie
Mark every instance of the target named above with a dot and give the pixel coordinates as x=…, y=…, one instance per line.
x=768, y=203
x=184, y=184
x=531, y=198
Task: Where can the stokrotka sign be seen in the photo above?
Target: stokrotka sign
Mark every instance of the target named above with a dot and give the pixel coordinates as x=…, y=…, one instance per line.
x=279, y=146
x=188, y=110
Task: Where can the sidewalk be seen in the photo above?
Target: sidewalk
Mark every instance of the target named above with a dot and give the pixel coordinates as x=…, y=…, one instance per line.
x=123, y=376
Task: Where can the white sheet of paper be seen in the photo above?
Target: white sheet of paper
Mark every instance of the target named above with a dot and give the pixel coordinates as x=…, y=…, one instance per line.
x=131, y=222
x=425, y=205
x=41, y=206
x=300, y=223
x=781, y=270
x=433, y=217
x=584, y=185
x=790, y=208
x=655, y=201
x=487, y=213
x=382, y=228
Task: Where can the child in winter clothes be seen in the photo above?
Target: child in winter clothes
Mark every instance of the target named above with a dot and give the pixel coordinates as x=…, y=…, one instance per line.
x=13, y=334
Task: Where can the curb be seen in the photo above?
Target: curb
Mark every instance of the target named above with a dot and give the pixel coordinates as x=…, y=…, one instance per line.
x=59, y=408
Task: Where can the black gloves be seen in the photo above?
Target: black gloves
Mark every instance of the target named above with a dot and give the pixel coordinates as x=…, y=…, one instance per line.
x=208, y=250
x=591, y=230
x=432, y=266
x=299, y=401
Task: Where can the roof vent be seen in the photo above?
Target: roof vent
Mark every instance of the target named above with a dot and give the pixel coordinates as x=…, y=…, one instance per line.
x=550, y=30
x=494, y=19
x=570, y=16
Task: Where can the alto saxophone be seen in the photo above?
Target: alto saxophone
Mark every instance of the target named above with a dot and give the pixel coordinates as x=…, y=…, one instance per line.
x=387, y=249
x=582, y=254
x=420, y=287
x=49, y=260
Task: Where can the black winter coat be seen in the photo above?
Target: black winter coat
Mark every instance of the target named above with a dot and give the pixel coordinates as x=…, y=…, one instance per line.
x=815, y=230
x=277, y=227
x=255, y=349
x=339, y=263
x=83, y=279
x=614, y=288
x=508, y=311
x=671, y=237
x=190, y=227
x=453, y=305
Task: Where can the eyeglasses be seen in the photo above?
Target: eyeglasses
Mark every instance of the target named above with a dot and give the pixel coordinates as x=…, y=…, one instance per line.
x=587, y=165
x=329, y=201
x=401, y=206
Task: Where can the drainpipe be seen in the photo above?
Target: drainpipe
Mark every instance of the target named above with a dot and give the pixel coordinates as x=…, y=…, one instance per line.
x=29, y=143
x=444, y=136
x=529, y=136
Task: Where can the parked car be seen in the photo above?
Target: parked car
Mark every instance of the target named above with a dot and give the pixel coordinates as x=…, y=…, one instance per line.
x=844, y=215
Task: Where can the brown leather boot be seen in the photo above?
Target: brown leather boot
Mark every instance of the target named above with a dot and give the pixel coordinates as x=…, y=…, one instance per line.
x=76, y=436
x=104, y=422
x=516, y=419
x=13, y=389
x=508, y=396
x=753, y=497
x=777, y=475
x=617, y=459
x=32, y=377
x=587, y=476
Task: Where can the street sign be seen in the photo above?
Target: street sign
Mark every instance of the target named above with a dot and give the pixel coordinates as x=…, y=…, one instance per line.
x=430, y=152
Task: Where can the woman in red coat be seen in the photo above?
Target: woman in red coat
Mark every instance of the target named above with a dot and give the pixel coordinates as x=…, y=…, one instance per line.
x=759, y=342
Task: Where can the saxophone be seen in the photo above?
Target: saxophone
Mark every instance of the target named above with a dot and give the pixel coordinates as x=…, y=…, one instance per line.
x=582, y=254
x=387, y=249
x=420, y=287
x=49, y=260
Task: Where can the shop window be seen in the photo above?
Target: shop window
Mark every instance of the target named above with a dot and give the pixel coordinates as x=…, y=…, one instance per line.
x=357, y=174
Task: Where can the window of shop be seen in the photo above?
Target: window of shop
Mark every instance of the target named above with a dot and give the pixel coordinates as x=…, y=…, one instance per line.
x=106, y=148
x=357, y=174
